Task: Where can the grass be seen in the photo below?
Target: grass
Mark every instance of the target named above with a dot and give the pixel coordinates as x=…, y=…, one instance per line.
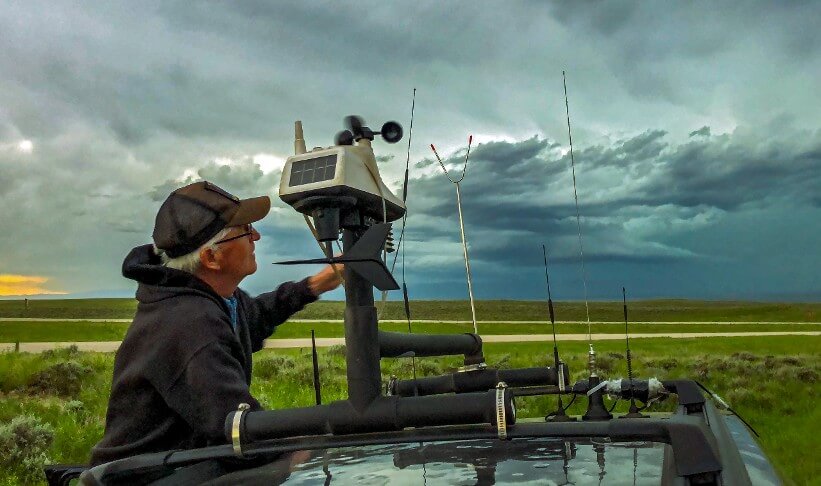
x=486, y=310
x=56, y=331
x=769, y=380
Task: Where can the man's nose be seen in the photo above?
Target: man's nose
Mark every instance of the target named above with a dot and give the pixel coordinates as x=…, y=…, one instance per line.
x=255, y=234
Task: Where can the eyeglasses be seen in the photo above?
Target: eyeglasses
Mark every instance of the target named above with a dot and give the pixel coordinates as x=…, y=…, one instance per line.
x=247, y=230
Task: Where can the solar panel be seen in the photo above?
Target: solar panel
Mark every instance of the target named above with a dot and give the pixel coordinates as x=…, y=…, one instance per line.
x=313, y=170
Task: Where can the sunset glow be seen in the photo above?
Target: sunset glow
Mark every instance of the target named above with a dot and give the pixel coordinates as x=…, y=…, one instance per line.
x=24, y=285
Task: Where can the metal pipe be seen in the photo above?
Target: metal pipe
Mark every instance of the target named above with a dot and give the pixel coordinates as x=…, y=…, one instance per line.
x=361, y=335
x=398, y=344
x=473, y=381
x=382, y=414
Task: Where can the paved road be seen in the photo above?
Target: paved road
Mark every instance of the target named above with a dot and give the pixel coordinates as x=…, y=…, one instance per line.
x=433, y=321
x=110, y=346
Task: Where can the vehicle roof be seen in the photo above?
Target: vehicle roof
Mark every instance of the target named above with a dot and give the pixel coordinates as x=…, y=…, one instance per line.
x=484, y=461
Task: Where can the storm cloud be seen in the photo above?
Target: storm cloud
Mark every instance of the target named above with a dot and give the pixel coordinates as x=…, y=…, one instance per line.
x=695, y=130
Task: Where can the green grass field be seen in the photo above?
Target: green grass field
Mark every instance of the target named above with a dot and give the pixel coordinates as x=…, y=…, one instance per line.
x=67, y=331
x=769, y=380
x=55, y=402
x=664, y=315
x=486, y=310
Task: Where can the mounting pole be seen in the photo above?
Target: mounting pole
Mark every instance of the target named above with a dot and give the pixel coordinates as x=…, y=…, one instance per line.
x=361, y=333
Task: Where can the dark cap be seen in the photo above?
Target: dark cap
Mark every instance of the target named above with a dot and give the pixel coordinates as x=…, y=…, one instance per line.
x=194, y=214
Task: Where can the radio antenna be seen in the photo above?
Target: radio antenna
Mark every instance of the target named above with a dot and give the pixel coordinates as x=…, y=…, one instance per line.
x=404, y=223
x=399, y=247
x=462, y=224
x=591, y=352
x=402, y=234
x=559, y=415
x=315, y=360
x=595, y=398
x=634, y=410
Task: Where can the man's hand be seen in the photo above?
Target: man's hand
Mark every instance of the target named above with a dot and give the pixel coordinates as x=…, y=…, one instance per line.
x=326, y=280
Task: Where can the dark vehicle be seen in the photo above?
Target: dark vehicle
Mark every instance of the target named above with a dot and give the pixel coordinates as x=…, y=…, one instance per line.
x=458, y=428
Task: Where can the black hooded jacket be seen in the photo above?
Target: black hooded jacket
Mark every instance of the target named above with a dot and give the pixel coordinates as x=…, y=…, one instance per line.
x=181, y=367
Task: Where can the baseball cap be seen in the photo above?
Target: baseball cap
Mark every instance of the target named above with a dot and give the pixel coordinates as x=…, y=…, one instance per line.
x=194, y=214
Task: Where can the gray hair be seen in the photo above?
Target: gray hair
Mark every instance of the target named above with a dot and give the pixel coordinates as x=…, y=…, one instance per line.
x=191, y=262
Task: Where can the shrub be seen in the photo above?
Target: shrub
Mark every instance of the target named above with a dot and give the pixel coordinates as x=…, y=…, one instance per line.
x=428, y=367
x=504, y=362
x=71, y=352
x=722, y=364
x=745, y=356
x=336, y=350
x=64, y=379
x=791, y=361
x=273, y=367
x=701, y=370
x=807, y=375
x=666, y=364
x=24, y=442
x=605, y=363
x=778, y=361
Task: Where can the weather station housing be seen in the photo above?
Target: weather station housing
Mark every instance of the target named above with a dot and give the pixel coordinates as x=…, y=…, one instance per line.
x=344, y=176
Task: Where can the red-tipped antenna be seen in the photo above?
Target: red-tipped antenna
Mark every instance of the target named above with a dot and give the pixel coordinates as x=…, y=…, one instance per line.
x=462, y=224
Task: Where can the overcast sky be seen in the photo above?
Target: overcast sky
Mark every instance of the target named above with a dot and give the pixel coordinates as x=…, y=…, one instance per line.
x=696, y=135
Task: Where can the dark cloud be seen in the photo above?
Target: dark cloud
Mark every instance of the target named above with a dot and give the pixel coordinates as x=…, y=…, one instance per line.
x=705, y=130
x=121, y=104
x=516, y=195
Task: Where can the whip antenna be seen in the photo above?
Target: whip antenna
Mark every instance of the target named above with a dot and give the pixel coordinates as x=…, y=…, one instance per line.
x=462, y=224
x=404, y=222
x=315, y=360
x=634, y=410
x=402, y=234
x=591, y=353
x=559, y=415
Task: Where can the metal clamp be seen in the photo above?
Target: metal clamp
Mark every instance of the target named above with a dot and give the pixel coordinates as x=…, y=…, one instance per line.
x=501, y=418
x=235, y=437
x=597, y=388
x=561, y=377
x=473, y=367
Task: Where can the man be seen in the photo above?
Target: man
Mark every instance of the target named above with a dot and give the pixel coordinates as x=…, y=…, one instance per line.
x=185, y=362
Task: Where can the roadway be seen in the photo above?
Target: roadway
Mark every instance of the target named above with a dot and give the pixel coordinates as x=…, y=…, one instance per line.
x=111, y=346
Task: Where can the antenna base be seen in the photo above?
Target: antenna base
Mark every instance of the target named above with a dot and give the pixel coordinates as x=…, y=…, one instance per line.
x=595, y=402
x=559, y=415
x=634, y=411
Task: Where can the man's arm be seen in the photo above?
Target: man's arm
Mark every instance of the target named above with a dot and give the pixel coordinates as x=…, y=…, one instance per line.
x=267, y=311
x=328, y=279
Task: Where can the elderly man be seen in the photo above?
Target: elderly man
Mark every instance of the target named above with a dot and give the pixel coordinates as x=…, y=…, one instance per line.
x=185, y=361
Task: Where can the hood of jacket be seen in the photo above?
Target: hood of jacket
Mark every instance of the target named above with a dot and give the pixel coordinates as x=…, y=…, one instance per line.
x=158, y=282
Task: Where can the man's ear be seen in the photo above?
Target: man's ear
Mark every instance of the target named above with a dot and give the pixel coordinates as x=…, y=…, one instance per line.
x=208, y=259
